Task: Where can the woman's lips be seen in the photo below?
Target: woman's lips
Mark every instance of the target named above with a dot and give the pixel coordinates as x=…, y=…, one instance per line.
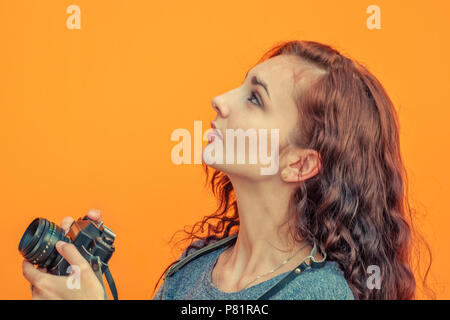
x=213, y=134
x=218, y=133
x=215, y=130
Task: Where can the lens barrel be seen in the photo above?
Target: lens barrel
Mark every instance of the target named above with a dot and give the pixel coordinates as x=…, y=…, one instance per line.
x=37, y=244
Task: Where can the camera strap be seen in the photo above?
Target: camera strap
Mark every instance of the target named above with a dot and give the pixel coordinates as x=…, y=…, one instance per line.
x=294, y=273
x=97, y=265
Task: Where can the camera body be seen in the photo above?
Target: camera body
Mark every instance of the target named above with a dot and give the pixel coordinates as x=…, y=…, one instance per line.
x=94, y=241
x=91, y=240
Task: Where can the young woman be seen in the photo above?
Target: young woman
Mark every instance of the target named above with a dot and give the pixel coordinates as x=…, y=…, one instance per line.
x=332, y=223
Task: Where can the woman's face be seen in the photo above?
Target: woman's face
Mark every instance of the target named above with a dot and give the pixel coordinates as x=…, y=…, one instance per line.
x=263, y=101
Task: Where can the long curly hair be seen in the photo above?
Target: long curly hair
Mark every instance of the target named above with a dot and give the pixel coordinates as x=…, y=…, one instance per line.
x=356, y=208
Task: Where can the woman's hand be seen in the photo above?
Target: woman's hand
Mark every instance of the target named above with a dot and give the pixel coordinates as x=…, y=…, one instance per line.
x=49, y=286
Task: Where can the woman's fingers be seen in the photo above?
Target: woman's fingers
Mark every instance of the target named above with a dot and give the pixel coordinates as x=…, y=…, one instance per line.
x=34, y=276
x=42, y=269
x=66, y=223
x=94, y=214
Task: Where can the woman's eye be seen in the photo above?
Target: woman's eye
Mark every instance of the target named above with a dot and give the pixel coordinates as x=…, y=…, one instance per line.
x=256, y=98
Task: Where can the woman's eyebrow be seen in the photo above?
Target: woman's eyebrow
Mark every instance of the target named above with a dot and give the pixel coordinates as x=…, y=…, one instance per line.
x=257, y=81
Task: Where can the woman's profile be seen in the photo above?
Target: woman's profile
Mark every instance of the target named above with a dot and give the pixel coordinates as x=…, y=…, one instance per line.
x=337, y=204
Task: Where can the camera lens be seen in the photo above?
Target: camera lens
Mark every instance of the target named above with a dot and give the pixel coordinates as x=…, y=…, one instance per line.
x=37, y=244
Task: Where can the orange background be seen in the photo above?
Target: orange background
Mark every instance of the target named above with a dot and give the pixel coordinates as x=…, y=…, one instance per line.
x=86, y=115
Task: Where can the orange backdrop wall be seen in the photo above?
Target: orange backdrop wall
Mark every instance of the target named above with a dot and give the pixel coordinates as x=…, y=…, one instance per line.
x=86, y=114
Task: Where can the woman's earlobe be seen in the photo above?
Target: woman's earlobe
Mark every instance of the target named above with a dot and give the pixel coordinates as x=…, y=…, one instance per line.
x=290, y=174
x=284, y=174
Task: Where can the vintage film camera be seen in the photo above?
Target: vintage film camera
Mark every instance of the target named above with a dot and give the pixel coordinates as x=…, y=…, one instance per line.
x=93, y=240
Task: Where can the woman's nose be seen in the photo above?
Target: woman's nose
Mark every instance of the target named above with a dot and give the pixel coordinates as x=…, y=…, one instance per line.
x=219, y=108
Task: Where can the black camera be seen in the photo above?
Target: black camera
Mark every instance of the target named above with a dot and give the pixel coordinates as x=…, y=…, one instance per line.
x=93, y=240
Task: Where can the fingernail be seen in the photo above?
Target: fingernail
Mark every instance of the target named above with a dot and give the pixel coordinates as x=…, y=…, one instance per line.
x=96, y=211
x=59, y=244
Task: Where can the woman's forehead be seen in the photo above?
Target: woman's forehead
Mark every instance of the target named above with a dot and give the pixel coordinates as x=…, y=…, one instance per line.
x=277, y=69
x=283, y=73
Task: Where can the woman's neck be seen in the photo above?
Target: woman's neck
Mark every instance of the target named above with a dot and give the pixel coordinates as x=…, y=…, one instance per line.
x=261, y=245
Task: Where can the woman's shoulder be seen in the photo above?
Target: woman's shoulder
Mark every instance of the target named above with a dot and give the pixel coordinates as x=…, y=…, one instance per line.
x=187, y=274
x=196, y=245
x=190, y=259
x=325, y=283
x=208, y=245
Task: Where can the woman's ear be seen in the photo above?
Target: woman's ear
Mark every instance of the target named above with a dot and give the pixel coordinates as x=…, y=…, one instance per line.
x=290, y=174
x=307, y=166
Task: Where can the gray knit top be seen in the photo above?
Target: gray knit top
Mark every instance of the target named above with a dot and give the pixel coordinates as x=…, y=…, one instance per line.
x=193, y=282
